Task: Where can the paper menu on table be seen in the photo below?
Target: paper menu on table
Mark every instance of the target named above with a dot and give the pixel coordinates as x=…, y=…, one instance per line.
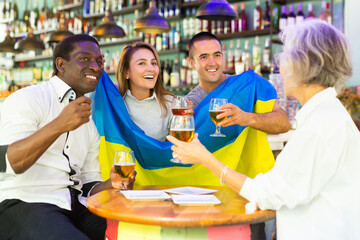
x=190, y=190
x=146, y=195
x=195, y=200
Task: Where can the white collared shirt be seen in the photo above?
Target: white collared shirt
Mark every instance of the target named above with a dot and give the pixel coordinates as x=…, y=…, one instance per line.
x=25, y=112
x=147, y=115
x=315, y=183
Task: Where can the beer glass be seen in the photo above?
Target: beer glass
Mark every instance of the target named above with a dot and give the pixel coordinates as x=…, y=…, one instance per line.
x=124, y=162
x=182, y=127
x=179, y=105
x=215, y=103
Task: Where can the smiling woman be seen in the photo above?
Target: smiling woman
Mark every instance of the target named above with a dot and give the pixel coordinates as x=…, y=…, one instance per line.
x=139, y=82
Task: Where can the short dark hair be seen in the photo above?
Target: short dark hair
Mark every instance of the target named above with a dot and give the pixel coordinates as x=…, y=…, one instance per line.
x=200, y=37
x=66, y=46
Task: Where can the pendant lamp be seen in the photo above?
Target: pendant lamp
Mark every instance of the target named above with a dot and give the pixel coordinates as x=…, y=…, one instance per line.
x=60, y=34
x=8, y=44
x=29, y=43
x=152, y=22
x=108, y=28
x=217, y=10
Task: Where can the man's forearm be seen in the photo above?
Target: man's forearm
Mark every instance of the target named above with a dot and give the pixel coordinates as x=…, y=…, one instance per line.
x=24, y=153
x=274, y=122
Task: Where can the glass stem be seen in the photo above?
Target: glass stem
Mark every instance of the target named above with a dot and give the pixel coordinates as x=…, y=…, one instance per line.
x=218, y=129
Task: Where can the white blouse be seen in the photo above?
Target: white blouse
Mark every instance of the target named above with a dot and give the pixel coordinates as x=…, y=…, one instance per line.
x=315, y=183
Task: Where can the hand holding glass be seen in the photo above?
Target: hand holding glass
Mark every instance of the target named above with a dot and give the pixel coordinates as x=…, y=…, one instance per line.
x=124, y=162
x=215, y=104
x=182, y=127
x=179, y=105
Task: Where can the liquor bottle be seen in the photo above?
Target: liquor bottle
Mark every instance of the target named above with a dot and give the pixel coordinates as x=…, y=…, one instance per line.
x=175, y=75
x=165, y=41
x=166, y=75
x=171, y=8
x=224, y=58
x=243, y=19
x=300, y=15
x=239, y=64
x=26, y=17
x=275, y=18
x=183, y=70
x=325, y=14
x=310, y=11
x=177, y=35
x=4, y=10
x=267, y=16
x=328, y=17
x=158, y=43
x=256, y=54
x=246, y=56
x=283, y=18
x=231, y=57
x=267, y=54
x=291, y=18
x=234, y=23
x=257, y=16
x=15, y=12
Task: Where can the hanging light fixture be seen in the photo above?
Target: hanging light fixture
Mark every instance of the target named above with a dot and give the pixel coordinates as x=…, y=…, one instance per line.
x=8, y=44
x=217, y=10
x=152, y=22
x=61, y=33
x=30, y=42
x=108, y=28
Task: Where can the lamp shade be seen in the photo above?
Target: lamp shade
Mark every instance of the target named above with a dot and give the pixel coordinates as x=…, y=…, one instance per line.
x=60, y=34
x=29, y=43
x=8, y=44
x=152, y=22
x=217, y=10
x=108, y=28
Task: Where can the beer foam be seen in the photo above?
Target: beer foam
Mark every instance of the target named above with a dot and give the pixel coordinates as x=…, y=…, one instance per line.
x=182, y=129
x=124, y=164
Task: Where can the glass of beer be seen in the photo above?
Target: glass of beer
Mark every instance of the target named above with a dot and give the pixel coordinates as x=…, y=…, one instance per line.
x=124, y=162
x=179, y=105
x=215, y=103
x=182, y=127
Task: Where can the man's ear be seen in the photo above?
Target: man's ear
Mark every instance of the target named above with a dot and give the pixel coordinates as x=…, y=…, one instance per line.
x=192, y=62
x=60, y=64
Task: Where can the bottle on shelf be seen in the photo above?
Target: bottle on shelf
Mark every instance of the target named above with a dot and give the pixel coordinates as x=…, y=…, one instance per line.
x=300, y=15
x=246, y=56
x=310, y=11
x=283, y=18
x=15, y=11
x=267, y=54
x=257, y=16
x=256, y=54
x=175, y=74
x=267, y=16
x=239, y=64
x=291, y=17
x=275, y=18
x=243, y=19
x=325, y=13
x=231, y=57
x=234, y=23
x=165, y=72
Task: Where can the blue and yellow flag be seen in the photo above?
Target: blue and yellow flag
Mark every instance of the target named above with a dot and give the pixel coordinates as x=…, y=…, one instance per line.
x=243, y=149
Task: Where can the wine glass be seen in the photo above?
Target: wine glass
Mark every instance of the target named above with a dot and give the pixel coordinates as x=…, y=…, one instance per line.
x=124, y=162
x=215, y=103
x=179, y=105
x=182, y=127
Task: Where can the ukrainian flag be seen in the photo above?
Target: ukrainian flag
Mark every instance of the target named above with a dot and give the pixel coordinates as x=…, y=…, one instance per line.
x=244, y=149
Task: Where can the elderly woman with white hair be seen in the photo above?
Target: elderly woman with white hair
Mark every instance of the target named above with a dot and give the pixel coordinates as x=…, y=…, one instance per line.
x=315, y=183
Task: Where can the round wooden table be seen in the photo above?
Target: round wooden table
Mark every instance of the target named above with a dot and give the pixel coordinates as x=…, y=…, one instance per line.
x=141, y=218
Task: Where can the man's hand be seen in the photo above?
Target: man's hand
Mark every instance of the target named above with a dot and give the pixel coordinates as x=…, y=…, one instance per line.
x=235, y=116
x=75, y=114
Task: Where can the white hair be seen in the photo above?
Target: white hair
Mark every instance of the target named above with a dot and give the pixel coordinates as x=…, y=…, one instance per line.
x=315, y=52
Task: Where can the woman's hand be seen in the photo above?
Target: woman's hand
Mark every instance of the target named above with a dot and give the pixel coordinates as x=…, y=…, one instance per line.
x=189, y=152
x=190, y=110
x=121, y=183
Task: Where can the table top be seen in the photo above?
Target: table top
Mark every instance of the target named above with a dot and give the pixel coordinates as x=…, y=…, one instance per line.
x=111, y=204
